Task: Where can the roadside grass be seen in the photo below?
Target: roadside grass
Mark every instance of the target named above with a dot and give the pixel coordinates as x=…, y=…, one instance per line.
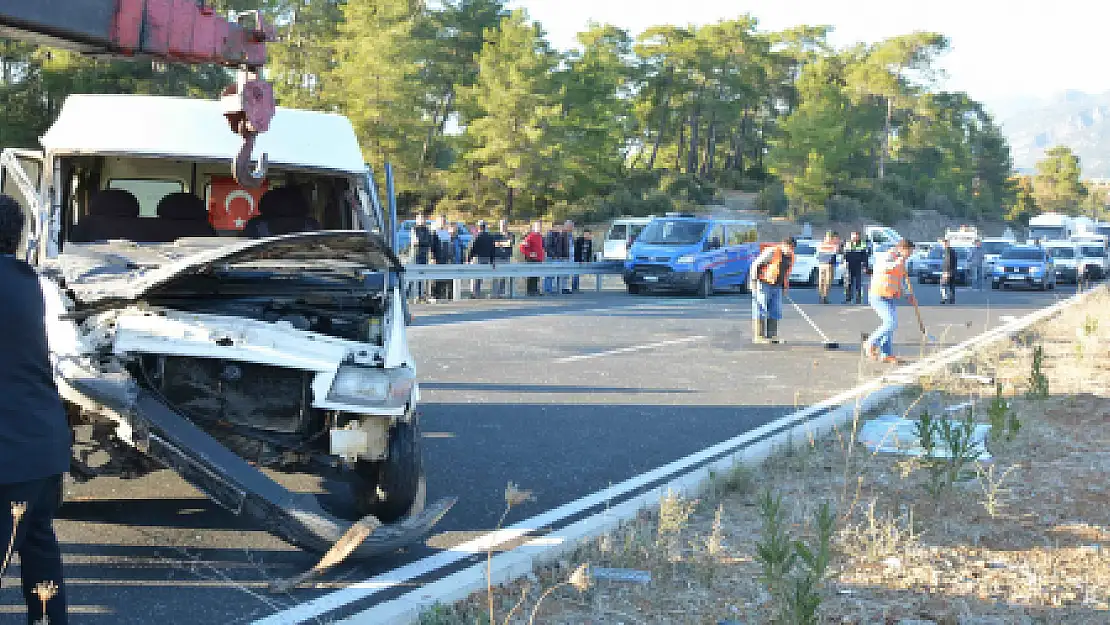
x=1022, y=539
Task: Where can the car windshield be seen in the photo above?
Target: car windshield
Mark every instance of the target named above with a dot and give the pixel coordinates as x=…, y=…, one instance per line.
x=1017, y=253
x=805, y=250
x=1090, y=251
x=673, y=232
x=1061, y=252
x=994, y=247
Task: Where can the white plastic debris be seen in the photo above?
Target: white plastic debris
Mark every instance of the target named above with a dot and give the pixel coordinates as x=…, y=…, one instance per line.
x=892, y=434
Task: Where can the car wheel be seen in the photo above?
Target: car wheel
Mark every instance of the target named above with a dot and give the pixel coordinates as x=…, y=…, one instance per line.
x=812, y=278
x=395, y=488
x=995, y=286
x=921, y=279
x=634, y=289
x=705, y=285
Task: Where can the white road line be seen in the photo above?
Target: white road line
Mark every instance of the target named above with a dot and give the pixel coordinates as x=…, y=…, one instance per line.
x=628, y=350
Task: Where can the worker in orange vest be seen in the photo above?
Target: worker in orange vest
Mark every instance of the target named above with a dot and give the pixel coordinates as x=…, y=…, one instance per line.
x=827, y=252
x=888, y=284
x=769, y=280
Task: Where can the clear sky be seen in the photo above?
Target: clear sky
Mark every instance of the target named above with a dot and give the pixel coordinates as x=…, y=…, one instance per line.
x=1002, y=51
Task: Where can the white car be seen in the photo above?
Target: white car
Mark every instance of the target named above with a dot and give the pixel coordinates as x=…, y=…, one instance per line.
x=1093, y=261
x=805, y=269
x=1065, y=257
x=622, y=232
x=239, y=335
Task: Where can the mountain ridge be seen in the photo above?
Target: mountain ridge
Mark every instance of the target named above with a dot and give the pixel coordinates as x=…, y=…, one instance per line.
x=1073, y=118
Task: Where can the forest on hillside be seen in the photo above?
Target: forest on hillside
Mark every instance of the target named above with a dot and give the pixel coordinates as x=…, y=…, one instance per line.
x=480, y=116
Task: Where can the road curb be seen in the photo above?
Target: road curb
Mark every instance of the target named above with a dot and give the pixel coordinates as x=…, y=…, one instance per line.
x=689, y=476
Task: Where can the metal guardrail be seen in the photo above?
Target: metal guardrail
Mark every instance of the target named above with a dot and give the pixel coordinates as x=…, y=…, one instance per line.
x=510, y=272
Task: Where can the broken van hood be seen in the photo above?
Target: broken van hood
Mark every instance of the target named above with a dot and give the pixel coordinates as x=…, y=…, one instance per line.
x=125, y=271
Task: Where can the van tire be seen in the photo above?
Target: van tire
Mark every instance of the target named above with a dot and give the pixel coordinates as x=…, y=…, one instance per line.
x=633, y=289
x=705, y=285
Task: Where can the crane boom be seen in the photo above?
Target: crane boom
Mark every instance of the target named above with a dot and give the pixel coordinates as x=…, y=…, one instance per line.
x=174, y=31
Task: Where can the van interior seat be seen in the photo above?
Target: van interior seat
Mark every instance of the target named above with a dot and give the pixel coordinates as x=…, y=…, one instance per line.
x=283, y=210
x=180, y=215
x=113, y=214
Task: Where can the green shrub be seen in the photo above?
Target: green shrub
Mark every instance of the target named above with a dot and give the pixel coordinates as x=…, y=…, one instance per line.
x=772, y=199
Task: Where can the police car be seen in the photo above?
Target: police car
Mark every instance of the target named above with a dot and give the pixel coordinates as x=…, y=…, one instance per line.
x=690, y=253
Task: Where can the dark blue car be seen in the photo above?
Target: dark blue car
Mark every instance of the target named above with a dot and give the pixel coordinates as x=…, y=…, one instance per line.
x=1027, y=266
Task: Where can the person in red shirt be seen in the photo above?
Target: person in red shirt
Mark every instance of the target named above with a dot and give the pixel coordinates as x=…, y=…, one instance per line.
x=532, y=249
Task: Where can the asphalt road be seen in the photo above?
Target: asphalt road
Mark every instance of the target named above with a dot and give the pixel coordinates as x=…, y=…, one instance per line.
x=563, y=395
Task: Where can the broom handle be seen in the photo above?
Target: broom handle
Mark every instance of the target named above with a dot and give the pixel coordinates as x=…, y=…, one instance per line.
x=916, y=308
x=806, y=317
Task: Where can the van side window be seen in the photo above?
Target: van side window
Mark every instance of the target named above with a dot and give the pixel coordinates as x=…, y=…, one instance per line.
x=716, y=237
x=739, y=235
x=617, y=232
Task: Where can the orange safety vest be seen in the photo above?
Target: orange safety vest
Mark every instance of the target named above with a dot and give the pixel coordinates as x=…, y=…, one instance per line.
x=770, y=272
x=888, y=282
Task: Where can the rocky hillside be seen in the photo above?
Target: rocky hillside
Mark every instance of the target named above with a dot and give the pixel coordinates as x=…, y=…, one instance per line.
x=1075, y=119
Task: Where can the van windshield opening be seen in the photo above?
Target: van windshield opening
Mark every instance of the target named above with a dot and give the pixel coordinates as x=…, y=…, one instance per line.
x=994, y=247
x=673, y=232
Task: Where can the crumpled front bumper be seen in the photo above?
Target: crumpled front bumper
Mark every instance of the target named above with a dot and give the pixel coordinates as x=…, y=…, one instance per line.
x=171, y=439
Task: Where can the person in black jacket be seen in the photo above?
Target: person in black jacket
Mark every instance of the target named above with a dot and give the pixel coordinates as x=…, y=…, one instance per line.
x=482, y=250
x=420, y=249
x=583, y=253
x=948, y=268
x=34, y=433
x=855, y=260
x=504, y=243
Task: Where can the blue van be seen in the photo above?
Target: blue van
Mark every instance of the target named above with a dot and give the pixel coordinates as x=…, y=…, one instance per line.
x=685, y=252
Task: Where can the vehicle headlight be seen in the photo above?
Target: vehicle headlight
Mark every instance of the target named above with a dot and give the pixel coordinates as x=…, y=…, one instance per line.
x=685, y=260
x=360, y=385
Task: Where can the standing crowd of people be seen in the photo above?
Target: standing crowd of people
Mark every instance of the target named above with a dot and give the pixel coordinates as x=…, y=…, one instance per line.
x=444, y=243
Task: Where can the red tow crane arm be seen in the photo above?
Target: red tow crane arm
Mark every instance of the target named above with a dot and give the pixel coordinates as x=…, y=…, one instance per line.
x=175, y=31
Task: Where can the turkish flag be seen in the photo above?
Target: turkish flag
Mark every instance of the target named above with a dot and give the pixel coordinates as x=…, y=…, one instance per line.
x=231, y=206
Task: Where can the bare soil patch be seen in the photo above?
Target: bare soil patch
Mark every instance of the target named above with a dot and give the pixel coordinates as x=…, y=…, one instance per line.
x=1023, y=539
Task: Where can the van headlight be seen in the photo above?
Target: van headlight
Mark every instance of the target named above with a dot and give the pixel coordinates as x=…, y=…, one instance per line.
x=368, y=386
x=685, y=260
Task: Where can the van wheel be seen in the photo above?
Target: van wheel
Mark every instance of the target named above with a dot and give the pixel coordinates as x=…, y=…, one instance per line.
x=705, y=285
x=812, y=278
x=394, y=488
x=633, y=289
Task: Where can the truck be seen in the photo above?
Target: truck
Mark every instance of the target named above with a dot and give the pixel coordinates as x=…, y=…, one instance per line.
x=1051, y=227
x=240, y=327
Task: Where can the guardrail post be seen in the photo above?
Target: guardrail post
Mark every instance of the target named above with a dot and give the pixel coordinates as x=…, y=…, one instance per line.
x=512, y=287
x=599, y=277
x=456, y=289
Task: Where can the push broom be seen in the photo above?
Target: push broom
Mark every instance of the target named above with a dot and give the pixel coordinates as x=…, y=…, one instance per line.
x=828, y=344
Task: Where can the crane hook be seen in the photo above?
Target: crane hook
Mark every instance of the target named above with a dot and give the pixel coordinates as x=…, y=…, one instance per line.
x=247, y=175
